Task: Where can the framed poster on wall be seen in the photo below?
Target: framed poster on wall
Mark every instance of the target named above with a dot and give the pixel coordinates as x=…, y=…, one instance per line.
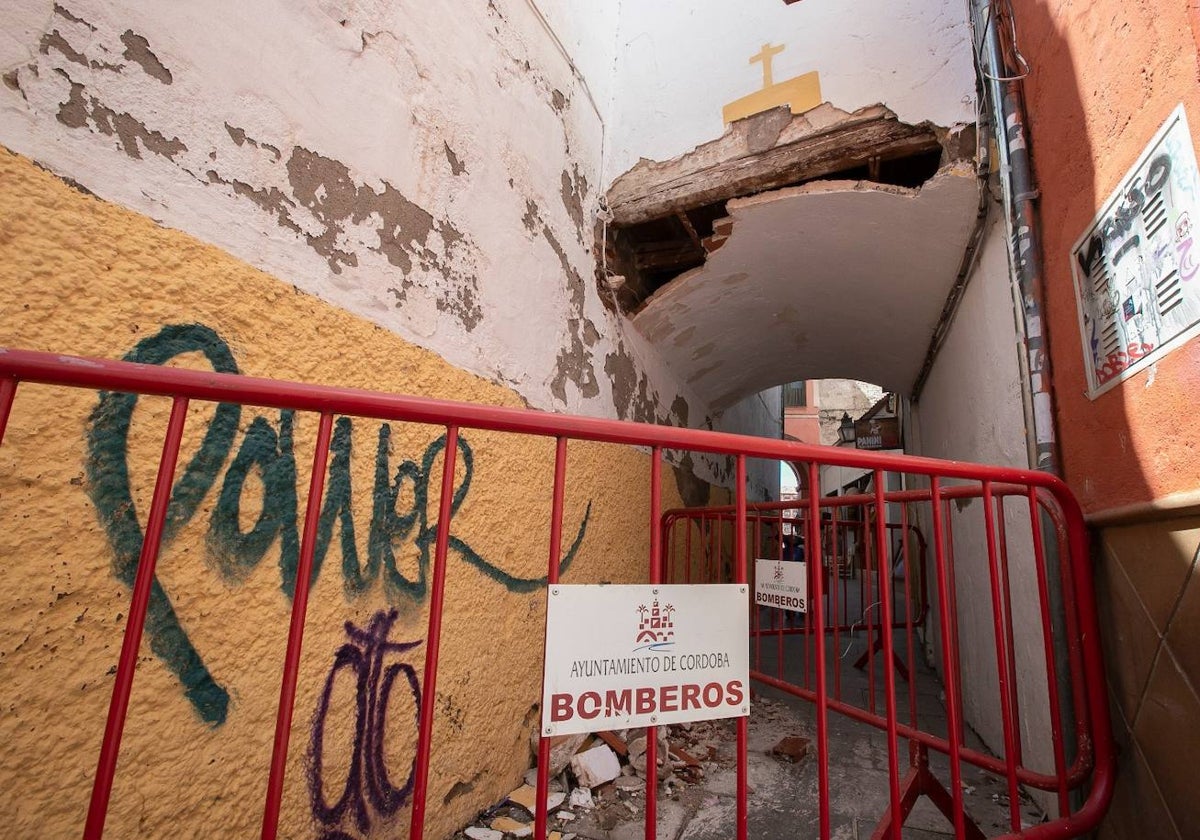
x=1137, y=266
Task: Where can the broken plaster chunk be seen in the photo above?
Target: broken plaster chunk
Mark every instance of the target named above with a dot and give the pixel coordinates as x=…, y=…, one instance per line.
x=531, y=780
x=596, y=766
x=476, y=832
x=565, y=816
x=630, y=783
x=582, y=798
x=562, y=747
x=510, y=826
x=526, y=797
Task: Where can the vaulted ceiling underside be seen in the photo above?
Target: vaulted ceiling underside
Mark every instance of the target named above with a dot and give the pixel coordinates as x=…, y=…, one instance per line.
x=841, y=279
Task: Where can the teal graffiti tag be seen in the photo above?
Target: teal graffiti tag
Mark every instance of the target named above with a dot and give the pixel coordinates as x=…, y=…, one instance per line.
x=234, y=553
x=108, y=486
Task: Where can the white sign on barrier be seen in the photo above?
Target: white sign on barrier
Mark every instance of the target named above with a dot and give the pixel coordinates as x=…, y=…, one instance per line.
x=628, y=656
x=782, y=584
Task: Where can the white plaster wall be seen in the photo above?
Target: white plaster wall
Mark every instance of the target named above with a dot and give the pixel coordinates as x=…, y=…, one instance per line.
x=971, y=409
x=682, y=60
x=434, y=173
x=588, y=34
x=760, y=415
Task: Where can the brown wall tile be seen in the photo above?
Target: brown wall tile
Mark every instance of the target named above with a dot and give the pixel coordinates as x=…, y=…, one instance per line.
x=1129, y=638
x=1183, y=635
x=1157, y=557
x=1137, y=809
x=1168, y=730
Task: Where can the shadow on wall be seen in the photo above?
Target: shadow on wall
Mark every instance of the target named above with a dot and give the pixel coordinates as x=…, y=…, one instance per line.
x=1102, y=82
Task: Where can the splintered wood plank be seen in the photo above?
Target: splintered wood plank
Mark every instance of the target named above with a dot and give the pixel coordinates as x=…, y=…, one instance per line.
x=744, y=161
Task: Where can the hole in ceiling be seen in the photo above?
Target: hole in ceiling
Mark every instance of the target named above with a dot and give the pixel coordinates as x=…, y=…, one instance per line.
x=642, y=258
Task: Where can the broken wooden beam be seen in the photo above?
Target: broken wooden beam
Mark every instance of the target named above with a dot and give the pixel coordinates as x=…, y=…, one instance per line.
x=765, y=152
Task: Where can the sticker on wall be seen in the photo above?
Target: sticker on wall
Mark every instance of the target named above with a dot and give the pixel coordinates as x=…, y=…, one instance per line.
x=1136, y=266
x=801, y=93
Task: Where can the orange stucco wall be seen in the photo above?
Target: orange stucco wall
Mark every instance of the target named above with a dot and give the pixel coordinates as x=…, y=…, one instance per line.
x=1105, y=76
x=81, y=275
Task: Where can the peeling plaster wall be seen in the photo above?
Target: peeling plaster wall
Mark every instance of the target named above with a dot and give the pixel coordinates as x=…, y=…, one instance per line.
x=683, y=60
x=434, y=174
x=971, y=410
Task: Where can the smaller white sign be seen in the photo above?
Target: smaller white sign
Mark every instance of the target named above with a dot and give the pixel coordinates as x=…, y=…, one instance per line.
x=626, y=656
x=782, y=584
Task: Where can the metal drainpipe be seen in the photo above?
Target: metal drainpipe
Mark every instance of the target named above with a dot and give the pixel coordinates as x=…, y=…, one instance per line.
x=1024, y=229
x=1021, y=194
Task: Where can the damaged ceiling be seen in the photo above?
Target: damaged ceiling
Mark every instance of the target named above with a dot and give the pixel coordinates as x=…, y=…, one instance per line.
x=832, y=279
x=822, y=245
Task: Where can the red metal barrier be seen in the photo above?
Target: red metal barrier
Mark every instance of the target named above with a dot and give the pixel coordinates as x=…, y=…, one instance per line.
x=850, y=594
x=881, y=514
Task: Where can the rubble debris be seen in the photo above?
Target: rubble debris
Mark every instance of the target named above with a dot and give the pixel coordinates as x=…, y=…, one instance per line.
x=601, y=777
x=793, y=748
x=478, y=833
x=562, y=747
x=526, y=797
x=514, y=827
x=595, y=766
x=629, y=783
x=556, y=782
x=582, y=798
x=615, y=741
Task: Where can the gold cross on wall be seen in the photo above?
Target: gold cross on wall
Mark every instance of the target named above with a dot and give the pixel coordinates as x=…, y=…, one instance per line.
x=768, y=53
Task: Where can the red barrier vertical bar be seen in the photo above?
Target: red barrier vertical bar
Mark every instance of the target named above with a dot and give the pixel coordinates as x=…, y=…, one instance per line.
x=808, y=566
x=1006, y=584
x=1000, y=634
x=1056, y=726
x=714, y=575
x=950, y=566
x=836, y=582
x=888, y=654
x=743, y=730
x=556, y=514
x=949, y=659
x=291, y=659
x=908, y=618
x=668, y=547
x=687, y=552
x=8, y=390
x=433, y=640
x=869, y=604
x=783, y=614
x=655, y=578
x=818, y=604
x=143, y=581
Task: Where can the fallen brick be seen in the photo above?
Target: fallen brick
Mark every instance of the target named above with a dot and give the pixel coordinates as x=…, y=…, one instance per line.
x=793, y=748
x=615, y=741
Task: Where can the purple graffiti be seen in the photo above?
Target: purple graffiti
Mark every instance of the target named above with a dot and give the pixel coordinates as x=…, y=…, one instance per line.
x=368, y=789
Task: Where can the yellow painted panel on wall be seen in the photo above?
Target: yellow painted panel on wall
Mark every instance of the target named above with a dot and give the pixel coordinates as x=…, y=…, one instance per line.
x=800, y=93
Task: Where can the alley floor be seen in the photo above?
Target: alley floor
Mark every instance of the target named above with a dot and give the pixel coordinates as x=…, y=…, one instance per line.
x=783, y=801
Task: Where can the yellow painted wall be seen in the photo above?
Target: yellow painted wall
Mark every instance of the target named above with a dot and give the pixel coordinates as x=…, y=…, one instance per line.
x=83, y=276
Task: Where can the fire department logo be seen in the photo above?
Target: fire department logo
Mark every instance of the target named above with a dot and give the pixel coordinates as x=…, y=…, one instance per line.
x=656, y=628
x=778, y=570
